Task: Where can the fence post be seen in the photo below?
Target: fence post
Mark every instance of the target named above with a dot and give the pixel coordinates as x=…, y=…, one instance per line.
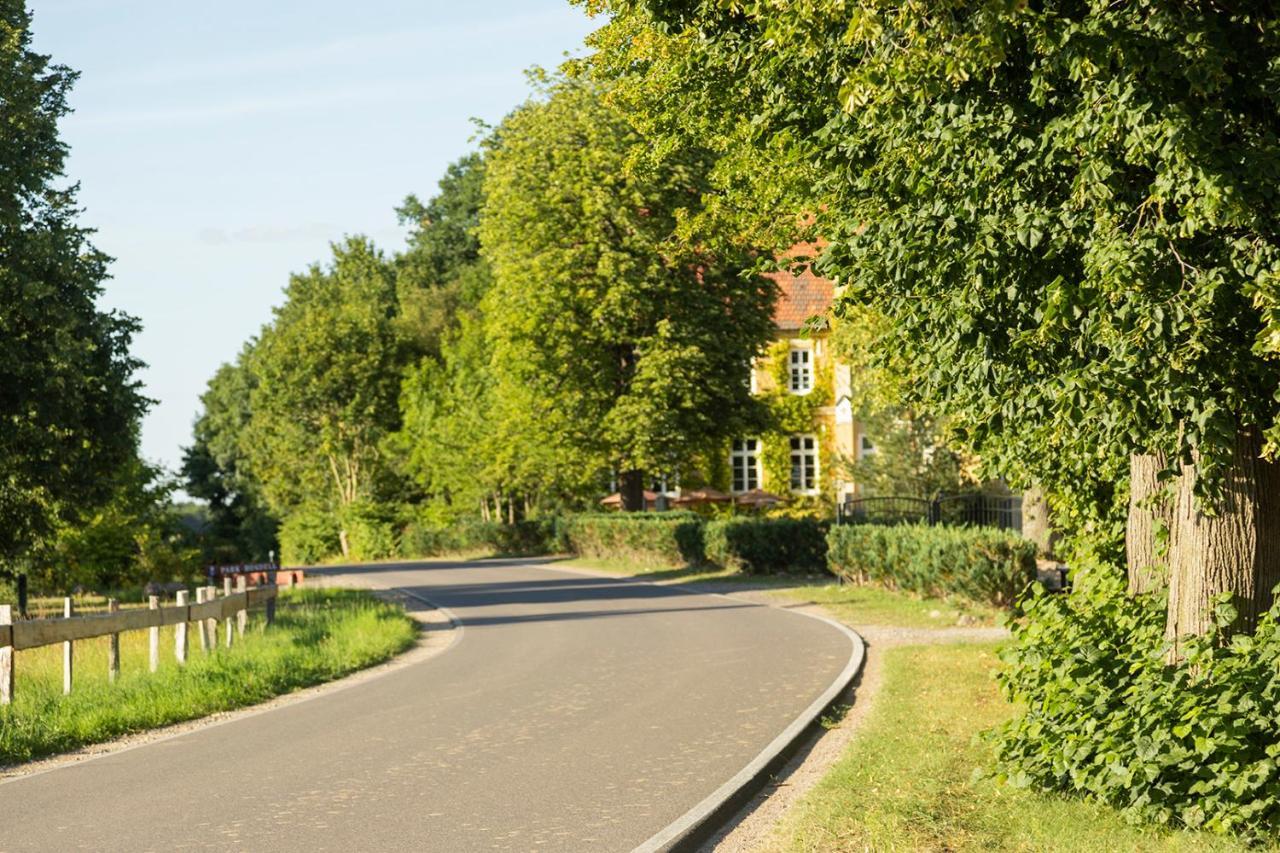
x=68, y=653
x=242, y=617
x=113, y=646
x=935, y=511
x=180, y=631
x=201, y=592
x=22, y=595
x=230, y=623
x=211, y=625
x=271, y=602
x=153, y=603
x=6, y=659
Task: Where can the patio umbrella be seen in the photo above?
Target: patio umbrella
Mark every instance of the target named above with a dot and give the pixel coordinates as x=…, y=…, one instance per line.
x=705, y=495
x=757, y=499
x=614, y=501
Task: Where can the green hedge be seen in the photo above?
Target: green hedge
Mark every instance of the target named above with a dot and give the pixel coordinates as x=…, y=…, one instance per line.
x=647, y=538
x=757, y=545
x=982, y=564
x=530, y=538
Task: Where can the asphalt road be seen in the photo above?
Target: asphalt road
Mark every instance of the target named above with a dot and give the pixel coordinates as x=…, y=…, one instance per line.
x=573, y=713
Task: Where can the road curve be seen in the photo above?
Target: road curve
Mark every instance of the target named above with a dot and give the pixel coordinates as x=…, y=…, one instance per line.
x=573, y=713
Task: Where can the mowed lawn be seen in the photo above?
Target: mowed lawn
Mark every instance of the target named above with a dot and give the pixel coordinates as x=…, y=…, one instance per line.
x=906, y=782
x=318, y=635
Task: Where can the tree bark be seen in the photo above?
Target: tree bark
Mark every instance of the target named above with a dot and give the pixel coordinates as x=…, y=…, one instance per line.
x=1035, y=521
x=1150, y=511
x=1235, y=549
x=343, y=544
x=632, y=491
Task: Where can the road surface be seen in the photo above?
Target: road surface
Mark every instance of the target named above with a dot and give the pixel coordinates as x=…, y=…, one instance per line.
x=572, y=713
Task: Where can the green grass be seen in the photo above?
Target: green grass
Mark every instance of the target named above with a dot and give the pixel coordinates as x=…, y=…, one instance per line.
x=906, y=781
x=874, y=605
x=318, y=635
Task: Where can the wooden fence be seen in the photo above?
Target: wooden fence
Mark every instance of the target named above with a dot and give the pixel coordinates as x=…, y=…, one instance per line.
x=232, y=608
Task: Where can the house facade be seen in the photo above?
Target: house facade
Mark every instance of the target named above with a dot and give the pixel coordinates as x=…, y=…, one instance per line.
x=808, y=391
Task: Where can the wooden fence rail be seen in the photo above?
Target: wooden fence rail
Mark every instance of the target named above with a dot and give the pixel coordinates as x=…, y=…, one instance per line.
x=232, y=608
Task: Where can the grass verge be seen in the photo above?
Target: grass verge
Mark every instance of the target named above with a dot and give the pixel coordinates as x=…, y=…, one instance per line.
x=906, y=781
x=318, y=635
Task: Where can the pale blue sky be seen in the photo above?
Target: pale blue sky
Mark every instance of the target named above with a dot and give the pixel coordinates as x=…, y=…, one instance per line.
x=221, y=146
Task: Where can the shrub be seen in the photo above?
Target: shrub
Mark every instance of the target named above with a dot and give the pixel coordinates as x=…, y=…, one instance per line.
x=1104, y=716
x=647, y=538
x=768, y=544
x=371, y=531
x=528, y=538
x=982, y=564
x=308, y=536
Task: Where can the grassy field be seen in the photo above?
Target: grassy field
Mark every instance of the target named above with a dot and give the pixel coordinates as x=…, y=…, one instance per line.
x=906, y=781
x=319, y=635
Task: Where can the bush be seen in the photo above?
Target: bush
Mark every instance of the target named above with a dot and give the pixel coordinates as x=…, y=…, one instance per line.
x=371, y=531
x=308, y=536
x=647, y=538
x=982, y=564
x=1104, y=715
x=526, y=538
x=768, y=544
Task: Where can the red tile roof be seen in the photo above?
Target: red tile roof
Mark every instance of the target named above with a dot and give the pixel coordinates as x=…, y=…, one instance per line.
x=802, y=294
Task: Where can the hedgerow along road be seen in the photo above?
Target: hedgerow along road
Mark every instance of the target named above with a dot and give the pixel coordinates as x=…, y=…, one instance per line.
x=573, y=712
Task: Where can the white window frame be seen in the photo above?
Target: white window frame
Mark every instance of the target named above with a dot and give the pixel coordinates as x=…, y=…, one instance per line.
x=805, y=468
x=800, y=369
x=866, y=447
x=744, y=453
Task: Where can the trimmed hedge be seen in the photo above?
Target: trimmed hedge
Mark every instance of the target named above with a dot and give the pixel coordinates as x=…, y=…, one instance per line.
x=757, y=545
x=648, y=538
x=529, y=538
x=982, y=564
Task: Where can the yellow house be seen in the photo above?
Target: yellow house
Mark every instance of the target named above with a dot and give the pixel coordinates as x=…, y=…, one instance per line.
x=807, y=388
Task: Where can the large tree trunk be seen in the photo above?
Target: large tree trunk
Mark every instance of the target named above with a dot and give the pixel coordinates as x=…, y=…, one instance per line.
x=1150, y=511
x=1035, y=521
x=632, y=491
x=1235, y=550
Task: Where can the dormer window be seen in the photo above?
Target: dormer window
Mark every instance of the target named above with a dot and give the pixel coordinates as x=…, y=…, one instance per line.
x=801, y=370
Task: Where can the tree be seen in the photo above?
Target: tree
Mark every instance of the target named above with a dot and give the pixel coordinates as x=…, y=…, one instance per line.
x=69, y=402
x=1067, y=212
x=325, y=378
x=616, y=342
x=440, y=273
x=217, y=470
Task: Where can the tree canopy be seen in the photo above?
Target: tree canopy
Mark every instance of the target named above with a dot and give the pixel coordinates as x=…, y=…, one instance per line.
x=69, y=400
x=615, y=342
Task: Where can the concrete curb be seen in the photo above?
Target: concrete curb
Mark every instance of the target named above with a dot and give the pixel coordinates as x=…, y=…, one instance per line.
x=698, y=824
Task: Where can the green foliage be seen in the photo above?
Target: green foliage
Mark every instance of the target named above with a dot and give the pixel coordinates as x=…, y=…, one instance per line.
x=912, y=458
x=135, y=537
x=1104, y=716
x=614, y=342
x=326, y=384
x=985, y=565
x=308, y=536
x=371, y=530
x=645, y=538
x=757, y=545
x=1063, y=211
x=69, y=399
x=524, y=538
x=217, y=470
x=319, y=635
